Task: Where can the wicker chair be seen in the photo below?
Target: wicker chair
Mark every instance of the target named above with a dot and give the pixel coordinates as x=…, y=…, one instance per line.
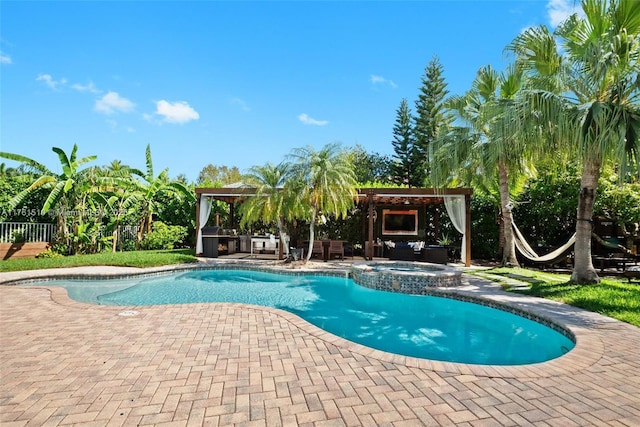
x=402, y=252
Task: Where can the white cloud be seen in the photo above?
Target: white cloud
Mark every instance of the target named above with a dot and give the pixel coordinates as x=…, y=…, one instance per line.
x=304, y=118
x=375, y=79
x=49, y=81
x=176, y=112
x=89, y=87
x=5, y=59
x=239, y=102
x=116, y=128
x=560, y=10
x=112, y=103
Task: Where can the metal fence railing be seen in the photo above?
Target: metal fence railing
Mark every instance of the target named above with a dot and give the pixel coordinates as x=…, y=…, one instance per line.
x=127, y=232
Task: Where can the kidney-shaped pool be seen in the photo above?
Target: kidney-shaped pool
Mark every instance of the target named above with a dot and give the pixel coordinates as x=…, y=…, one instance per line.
x=421, y=326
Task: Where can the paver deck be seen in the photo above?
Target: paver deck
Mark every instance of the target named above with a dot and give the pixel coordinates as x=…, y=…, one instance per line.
x=69, y=363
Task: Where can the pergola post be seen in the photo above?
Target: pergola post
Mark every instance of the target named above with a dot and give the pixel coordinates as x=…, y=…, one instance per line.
x=198, y=196
x=370, y=236
x=467, y=229
x=232, y=220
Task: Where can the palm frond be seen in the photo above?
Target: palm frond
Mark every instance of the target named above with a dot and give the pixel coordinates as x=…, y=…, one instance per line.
x=54, y=196
x=38, y=167
x=64, y=160
x=149, y=163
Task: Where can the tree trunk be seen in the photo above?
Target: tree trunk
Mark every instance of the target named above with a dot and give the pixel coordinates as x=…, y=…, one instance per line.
x=312, y=234
x=284, y=238
x=145, y=227
x=141, y=231
x=150, y=220
x=500, y=223
x=509, y=251
x=114, y=241
x=583, y=271
x=61, y=225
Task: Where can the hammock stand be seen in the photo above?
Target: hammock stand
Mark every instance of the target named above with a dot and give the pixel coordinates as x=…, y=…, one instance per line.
x=527, y=251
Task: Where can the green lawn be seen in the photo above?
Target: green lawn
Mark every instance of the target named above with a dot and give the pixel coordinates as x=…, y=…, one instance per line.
x=125, y=259
x=613, y=297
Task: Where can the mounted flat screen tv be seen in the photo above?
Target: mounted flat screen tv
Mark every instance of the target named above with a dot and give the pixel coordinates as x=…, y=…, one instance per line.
x=400, y=222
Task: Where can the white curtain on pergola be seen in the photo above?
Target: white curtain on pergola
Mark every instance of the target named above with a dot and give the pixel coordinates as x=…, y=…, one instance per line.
x=205, y=210
x=457, y=213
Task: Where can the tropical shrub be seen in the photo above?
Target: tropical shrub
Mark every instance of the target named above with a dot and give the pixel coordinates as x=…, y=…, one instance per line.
x=164, y=236
x=173, y=210
x=545, y=212
x=484, y=227
x=619, y=201
x=29, y=209
x=49, y=253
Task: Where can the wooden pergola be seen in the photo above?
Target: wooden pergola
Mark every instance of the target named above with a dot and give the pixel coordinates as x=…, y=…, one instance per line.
x=367, y=198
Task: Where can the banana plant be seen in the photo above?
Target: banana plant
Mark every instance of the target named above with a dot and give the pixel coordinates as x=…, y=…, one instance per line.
x=64, y=187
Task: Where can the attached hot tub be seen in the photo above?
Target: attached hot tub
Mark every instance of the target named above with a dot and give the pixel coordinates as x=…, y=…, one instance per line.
x=405, y=277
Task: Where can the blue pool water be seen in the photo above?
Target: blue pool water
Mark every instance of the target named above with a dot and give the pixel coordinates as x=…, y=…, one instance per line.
x=420, y=326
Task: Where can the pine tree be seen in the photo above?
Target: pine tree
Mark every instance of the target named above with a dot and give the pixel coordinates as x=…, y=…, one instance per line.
x=430, y=113
x=404, y=165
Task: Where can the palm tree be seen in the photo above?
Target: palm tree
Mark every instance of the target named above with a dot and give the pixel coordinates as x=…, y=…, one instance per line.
x=64, y=187
x=483, y=143
x=273, y=200
x=326, y=183
x=149, y=187
x=587, y=86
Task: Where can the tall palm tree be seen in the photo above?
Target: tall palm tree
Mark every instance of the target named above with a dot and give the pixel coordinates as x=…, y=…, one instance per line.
x=64, y=194
x=587, y=86
x=482, y=143
x=273, y=200
x=151, y=185
x=326, y=181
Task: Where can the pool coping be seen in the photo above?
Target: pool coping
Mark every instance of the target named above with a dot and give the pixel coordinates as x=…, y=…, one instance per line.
x=588, y=349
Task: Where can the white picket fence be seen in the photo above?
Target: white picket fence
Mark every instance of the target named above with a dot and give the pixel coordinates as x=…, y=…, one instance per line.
x=44, y=232
x=26, y=231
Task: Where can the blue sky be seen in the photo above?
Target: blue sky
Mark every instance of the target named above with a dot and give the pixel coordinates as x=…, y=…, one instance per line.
x=233, y=83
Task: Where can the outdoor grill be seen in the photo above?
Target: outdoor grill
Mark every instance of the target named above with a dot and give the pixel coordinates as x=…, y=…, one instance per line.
x=218, y=241
x=213, y=231
x=210, y=241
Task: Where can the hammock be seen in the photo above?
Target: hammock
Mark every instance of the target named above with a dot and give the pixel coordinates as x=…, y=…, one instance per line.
x=527, y=251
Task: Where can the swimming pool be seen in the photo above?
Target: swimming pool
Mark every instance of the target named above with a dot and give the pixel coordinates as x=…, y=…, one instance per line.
x=421, y=326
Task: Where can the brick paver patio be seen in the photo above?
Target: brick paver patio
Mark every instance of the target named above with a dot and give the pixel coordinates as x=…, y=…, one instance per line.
x=68, y=363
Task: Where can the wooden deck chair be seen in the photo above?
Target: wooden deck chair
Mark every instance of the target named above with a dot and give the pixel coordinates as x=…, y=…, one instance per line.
x=336, y=247
x=317, y=249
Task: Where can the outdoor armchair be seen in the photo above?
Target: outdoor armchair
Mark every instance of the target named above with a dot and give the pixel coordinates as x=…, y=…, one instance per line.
x=336, y=247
